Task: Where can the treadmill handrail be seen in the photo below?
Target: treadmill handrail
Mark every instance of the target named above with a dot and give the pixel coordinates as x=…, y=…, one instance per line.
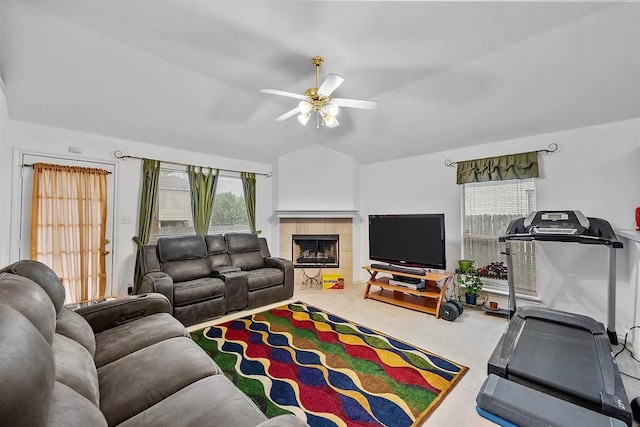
x=599, y=232
x=567, y=238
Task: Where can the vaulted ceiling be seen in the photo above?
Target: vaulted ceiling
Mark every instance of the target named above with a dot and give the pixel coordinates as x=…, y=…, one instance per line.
x=187, y=74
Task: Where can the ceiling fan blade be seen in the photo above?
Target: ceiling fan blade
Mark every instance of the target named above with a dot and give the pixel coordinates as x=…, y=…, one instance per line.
x=331, y=83
x=288, y=114
x=355, y=103
x=283, y=93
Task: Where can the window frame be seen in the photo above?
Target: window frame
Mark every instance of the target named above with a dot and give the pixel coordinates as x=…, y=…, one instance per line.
x=522, y=250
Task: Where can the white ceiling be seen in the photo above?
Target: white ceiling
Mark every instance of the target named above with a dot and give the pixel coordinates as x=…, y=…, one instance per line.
x=187, y=74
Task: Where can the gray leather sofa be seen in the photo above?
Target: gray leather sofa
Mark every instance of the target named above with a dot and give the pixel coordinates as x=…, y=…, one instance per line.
x=125, y=362
x=204, y=277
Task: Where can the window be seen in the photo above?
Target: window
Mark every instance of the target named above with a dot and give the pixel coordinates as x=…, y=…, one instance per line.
x=489, y=207
x=173, y=213
x=229, y=209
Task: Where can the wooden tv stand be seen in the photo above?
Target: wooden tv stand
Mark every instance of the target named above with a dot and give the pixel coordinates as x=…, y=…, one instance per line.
x=427, y=300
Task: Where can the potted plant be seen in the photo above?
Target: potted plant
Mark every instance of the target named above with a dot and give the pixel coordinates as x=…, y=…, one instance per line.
x=472, y=285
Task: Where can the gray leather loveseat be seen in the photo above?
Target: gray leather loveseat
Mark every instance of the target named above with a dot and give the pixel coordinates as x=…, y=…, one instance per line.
x=204, y=277
x=125, y=362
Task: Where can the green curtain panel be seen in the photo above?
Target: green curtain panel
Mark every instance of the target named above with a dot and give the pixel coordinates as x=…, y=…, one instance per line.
x=148, y=201
x=203, y=186
x=249, y=187
x=511, y=166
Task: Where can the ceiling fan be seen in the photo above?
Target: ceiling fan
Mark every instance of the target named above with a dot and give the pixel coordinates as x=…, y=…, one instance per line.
x=317, y=99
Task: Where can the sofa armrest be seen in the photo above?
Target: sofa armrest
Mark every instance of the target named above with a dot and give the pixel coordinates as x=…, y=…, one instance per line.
x=158, y=282
x=223, y=269
x=287, y=268
x=109, y=314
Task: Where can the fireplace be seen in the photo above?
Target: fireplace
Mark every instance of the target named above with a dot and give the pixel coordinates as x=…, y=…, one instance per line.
x=315, y=250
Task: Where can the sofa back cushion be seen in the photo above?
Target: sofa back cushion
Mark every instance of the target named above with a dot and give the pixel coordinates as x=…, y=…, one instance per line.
x=244, y=250
x=69, y=409
x=184, y=257
x=28, y=371
x=217, y=250
x=31, y=301
x=43, y=276
x=74, y=326
x=75, y=368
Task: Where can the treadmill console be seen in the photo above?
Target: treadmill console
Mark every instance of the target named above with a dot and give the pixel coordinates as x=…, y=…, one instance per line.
x=556, y=223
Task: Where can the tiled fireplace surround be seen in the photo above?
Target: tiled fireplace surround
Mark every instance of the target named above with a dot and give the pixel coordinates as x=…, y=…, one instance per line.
x=340, y=226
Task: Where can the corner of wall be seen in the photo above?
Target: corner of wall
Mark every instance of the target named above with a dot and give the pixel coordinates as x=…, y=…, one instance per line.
x=5, y=176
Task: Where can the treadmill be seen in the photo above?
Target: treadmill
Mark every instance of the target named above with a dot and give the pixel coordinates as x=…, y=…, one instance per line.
x=565, y=356
x=567, y=227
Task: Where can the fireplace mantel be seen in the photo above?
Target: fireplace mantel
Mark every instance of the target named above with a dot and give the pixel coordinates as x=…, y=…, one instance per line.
x=282, y=213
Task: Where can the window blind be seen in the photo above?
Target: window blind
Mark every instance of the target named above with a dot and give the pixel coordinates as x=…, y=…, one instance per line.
x=489, y=207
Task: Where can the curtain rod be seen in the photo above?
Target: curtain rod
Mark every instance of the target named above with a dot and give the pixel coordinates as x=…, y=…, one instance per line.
x=30, y=165
x=553, y=147
x=118, y=155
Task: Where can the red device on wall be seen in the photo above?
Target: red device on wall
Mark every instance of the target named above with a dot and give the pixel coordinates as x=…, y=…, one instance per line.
x=637, y=218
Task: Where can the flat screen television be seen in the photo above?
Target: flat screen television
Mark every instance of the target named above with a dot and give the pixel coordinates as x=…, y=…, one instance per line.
x=412, y=240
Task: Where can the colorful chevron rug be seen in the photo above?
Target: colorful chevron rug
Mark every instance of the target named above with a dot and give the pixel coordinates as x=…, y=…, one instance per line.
x=302, y=360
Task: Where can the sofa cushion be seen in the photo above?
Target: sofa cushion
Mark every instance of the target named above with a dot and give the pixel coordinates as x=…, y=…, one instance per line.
x=72, y=325
x=184, y=258
x=140, y=380
x=28, y=371
x=114, y=343
x=181, y=248
x=264, y=278
x=212, y=400
x=242, y=242
x=43, y=276
x=181, y=271
x=215, y=244
x=70, y=409
x=244, y=250
x=197, y=290
x=217, y=250
x=75, y=367
x=31, y=301
x=247, y=260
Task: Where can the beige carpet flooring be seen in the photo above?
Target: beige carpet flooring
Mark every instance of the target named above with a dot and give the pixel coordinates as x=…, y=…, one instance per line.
x=469, y=340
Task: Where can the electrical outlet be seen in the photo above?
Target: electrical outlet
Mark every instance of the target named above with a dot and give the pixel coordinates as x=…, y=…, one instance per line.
x=130, y=290
x=127, y=220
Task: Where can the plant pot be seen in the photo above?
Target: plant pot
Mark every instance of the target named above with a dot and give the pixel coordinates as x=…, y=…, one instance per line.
x=471, y=299
x=465, y=264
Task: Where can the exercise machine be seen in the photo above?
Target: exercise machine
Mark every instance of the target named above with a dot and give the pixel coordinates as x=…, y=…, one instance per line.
x=555, y=357
x=566, y=227
x=564, y=355
x=510, y=404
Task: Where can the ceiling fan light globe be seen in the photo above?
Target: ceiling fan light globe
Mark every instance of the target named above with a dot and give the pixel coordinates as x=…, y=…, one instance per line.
x=304, y=107
x=304, y=118
x=332, y=109
x=330, y=121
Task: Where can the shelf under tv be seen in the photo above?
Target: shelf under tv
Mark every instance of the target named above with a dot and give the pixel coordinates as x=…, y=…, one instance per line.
x=427, y=300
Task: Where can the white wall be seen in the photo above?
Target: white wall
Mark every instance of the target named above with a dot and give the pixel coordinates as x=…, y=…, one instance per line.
x=596, y=170
x=317, y=178
x=5, y=178
x=27, y=137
